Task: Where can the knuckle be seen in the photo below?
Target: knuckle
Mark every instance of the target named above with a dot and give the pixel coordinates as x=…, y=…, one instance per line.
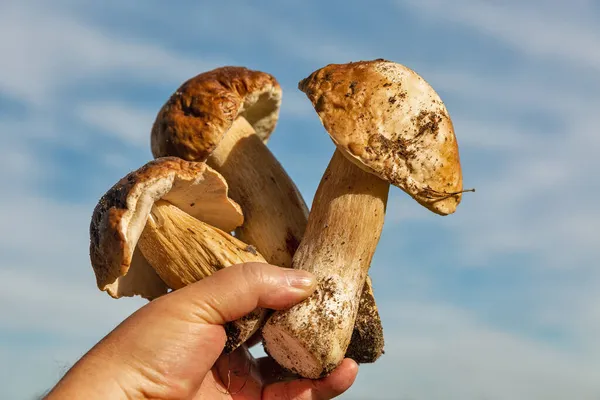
x=254, y=274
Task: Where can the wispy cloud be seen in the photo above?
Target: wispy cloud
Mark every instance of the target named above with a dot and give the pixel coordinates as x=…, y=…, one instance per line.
x=120, y=120
x=44, y=52
x=52, y=311
x=561, y=32
x=527, y=130
x=441, y=352
x=55, y=301
x=528, y=134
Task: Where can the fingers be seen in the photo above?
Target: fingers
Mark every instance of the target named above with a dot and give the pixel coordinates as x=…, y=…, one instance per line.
x=242, y=374
x=330, y=387
x=237, y=373
x=165, y=349
x=236, y=291
x=271, y=372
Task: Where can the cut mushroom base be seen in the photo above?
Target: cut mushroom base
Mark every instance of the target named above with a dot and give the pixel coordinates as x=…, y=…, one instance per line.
x=275, y=214
x=389, y=126
x=159, y=228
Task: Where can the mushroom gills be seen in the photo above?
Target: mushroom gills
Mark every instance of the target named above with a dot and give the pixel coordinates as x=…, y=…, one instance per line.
x=184, y=250
x=199, y=122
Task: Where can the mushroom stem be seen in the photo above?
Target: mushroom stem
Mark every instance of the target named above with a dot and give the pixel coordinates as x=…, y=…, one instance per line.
x=274, y=212
x=275, y=218
x=184, y=250
x=343, y=231
x=366, y=344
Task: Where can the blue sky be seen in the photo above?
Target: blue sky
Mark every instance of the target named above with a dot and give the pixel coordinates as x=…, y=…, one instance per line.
x=498, y=301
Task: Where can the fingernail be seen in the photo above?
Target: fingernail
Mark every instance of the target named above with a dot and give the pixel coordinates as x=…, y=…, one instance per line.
x=300, y=279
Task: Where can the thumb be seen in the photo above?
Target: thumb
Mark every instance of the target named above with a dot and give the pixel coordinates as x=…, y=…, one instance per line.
x=189, y=320
x=166, y=348
x=236, y=291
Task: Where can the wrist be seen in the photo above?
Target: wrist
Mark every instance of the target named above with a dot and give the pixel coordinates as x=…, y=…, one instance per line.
x=92, y=377
x=95, y=377
x=125, y=365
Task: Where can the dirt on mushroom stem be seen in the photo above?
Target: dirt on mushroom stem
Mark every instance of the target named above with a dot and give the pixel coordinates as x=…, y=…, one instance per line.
x=275, y=213
x=275, y=218
x=388, y=123
x=367, y=341
x=343, y=230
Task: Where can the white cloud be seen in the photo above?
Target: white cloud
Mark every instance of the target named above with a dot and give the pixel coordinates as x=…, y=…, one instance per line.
x=541, y=199
x=535, y=190
x=44, y=51
x=54, y=302
x=563, y=32
x=536, y=195
x=528, y=136
x=120, y=120
x=295, y=104
x=480, y=135
x=52, y=311
x=435, y=351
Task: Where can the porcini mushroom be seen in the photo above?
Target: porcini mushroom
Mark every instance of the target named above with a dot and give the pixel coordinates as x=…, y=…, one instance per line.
x=226, y=116
x=165, y=226
x=389, y=127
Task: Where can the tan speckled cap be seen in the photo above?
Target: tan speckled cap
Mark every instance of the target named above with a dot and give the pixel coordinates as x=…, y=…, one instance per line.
x=193, y=121
x=387, y=120
x=121, y=214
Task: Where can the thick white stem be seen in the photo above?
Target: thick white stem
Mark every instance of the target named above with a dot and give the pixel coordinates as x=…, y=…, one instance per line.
x=274, y=212
x=275, y=218
x=343, y=230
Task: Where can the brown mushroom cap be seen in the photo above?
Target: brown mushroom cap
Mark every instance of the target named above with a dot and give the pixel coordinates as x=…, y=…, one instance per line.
x=121, y=214
x=195, y=118
x=388, y=121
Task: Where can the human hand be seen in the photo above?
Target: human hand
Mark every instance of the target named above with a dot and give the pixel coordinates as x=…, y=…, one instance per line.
x=172, y=347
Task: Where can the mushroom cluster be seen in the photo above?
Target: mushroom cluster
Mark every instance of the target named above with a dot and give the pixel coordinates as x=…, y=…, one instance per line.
x=214, y=195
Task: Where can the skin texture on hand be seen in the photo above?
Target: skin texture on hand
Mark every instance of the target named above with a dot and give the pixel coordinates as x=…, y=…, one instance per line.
x=171, y=348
